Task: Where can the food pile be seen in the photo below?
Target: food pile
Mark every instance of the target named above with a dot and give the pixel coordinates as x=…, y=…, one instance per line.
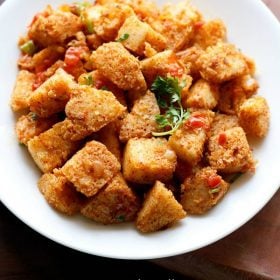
x=135, y=112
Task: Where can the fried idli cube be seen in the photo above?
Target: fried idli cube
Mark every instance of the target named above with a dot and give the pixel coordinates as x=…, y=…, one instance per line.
x=30, y=125
x=107, y=19
x=163, y=64
x=114, y=62
x=52, y=96
x=141, y=122
x=148, y=160
x=221, y=63
x=188, y=140
x=254, y=116
x=140, y=33
x=93, y=109
x=203, y=95
x=52, y=27
x=223, y=122
x=178, y=22
x=160, y=209
x=47, y=57
x=50, y=149
x=22, y=90
x=229, y=151
x=115, y=203
x=60, y=193
x=190, y=58
x=202, y=190
x=91, y=168
x=210, y=33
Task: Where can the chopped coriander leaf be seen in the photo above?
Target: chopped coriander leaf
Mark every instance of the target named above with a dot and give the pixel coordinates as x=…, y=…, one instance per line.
x=21, y=144
x=33, y=116
x=235, y=177
x=89, y=25
x=214, y=190
x=123, y=37
x=168, y=94
x=28, y=47
x=88, y=80
x=81, y=6
x=104, y=88
x=166, y=87
x=121, y=218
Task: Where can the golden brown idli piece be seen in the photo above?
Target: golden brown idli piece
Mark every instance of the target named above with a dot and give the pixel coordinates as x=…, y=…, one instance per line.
x=114, y=62
x=60, y=193
x=115, y=203
x=202, y=190
x=147, y=160
x=160, y=209
x=91, y=168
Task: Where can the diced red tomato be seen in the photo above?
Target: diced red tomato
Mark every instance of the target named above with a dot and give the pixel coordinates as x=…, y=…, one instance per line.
x=195, y=122
x=222, y=139
x=198, y=24
x=214, y=181
x=72, y=56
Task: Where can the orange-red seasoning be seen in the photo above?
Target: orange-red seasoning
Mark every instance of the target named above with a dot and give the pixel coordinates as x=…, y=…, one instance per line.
x=214, y=181
x=222, y=139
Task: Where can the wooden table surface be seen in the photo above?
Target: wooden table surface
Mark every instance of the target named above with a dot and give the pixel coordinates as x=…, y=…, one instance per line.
x=252, y=252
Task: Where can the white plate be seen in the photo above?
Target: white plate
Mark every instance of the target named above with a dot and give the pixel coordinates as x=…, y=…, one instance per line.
x=254, y=29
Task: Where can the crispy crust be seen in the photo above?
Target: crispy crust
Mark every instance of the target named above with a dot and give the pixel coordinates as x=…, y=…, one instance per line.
x=115, y=203
x=22, y=91
x=122, y=68
x=197, y=197
x=93, y=109
x=160, y=209
x=60, y=194
x=52, y=96
x=91, y=168
x=148, y=160
x=254, y=116
x=221, y=63
x=29, y=126
x=54, y=27
x=50, y=149
x=234, y=155
x=140, y=122
x=188, y=143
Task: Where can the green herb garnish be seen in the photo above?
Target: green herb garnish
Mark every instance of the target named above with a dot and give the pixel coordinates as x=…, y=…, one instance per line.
x=121, y=218
x=88, y=80
x=33, y=116
x=81, y=6
x=235, y=177
x=80, y=10
x=168, y=94
x=28, y=47
x=215, y=190
x=88, y=23
x=90, y=27
x=104, y=88
x=124, y=37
